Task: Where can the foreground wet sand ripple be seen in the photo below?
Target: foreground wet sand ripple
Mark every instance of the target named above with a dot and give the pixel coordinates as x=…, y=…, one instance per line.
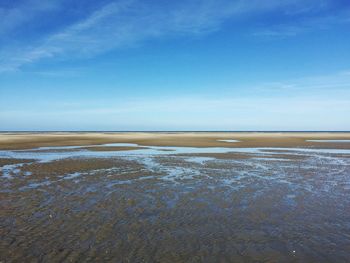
x=176, y=204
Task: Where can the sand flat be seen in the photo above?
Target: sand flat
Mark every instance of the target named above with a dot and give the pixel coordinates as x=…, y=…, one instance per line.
x=16, y=141
x=125, y=201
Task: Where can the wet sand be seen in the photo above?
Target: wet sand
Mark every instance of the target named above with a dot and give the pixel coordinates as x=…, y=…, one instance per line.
x=282, y=200
x=191, y=139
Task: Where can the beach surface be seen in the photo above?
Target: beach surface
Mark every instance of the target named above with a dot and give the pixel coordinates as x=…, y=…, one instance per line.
x=174, y=197
x=190, y=139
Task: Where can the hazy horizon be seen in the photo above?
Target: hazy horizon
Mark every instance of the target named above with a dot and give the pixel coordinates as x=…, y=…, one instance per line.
x=175, y=131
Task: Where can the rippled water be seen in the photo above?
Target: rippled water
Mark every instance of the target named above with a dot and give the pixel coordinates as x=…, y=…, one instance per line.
x=340, y=141
x=175, y=204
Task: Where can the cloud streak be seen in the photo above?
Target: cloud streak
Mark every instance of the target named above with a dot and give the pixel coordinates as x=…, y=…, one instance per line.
x=19, y=15
x=338, y=83
x=303, y=26
x=197, y=113
x=127, y=22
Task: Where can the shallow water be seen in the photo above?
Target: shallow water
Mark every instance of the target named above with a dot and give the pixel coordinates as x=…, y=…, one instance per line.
x=175, y=204
x=228, y=140
x=340, y=141
x=47, y=156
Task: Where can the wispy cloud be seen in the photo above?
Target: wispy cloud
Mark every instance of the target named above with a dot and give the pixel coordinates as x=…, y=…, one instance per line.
x=299, y=113
x=24, y=12
x=126, y=22
x=304, y=24
x=280, y=31
x=338, y=83
x=62, y=73
x=299, y=104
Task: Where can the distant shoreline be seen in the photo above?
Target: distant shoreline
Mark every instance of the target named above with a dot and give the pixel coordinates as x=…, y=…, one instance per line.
x=28, y=140
x=175, y=131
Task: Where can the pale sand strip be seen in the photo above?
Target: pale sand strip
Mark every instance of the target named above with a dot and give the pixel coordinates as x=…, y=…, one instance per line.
x=192, y=139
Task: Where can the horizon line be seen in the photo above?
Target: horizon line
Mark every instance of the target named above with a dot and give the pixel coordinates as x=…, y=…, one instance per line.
x=160, y=131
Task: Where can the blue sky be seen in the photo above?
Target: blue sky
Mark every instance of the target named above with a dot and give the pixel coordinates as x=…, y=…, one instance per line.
x=175, y=65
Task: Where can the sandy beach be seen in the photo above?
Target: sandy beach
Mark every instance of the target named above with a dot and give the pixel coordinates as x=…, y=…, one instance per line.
x=174, y=197
x=184, y=139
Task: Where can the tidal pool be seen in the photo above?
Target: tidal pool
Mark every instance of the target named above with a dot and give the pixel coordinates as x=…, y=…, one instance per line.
x=228, y=140
x=338, y=141
x=175, y=204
